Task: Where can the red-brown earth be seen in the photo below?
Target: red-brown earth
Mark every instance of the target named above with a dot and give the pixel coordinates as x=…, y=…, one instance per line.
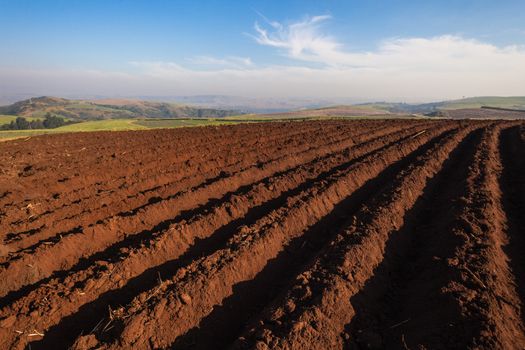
x=298, y=235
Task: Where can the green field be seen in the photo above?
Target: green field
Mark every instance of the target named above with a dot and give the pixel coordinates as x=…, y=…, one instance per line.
x=6, y=119
x=14, y=134
x=112, y=125
x=99, y=125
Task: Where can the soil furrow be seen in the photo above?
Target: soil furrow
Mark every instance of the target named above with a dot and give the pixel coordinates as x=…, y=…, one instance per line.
x=195, y=151
x=168, y=164
x=449, y=283
x=100, y=207
x=222, y=326
x=198, y=154
x=312, y=312
x=160, y=247
x=403, y=234
x=35, y=265
x=246, y=254
x=184, y=179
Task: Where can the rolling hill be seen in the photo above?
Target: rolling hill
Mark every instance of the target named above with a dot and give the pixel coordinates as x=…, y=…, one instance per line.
x=108, y=109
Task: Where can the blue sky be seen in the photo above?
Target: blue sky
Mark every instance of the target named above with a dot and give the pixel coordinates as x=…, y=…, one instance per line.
x=206, y=47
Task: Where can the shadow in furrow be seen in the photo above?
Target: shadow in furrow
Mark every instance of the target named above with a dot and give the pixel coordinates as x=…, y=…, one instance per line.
x=400, y=307
x=224, y=324
x=512, y=183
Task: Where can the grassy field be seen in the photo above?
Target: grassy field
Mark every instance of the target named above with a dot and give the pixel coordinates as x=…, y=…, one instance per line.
x=99, y=125
x=112, y=125
x=14, y=134
x=6, y=119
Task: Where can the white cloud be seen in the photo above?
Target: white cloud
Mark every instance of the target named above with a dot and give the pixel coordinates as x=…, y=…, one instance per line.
x=304, y=40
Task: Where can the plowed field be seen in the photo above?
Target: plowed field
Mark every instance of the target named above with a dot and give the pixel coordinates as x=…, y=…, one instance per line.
x=299, y=235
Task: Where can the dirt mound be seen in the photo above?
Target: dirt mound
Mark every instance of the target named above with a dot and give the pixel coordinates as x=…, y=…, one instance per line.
x=297, y=235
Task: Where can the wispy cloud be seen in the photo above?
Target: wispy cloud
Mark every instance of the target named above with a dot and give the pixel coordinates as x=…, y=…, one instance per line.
x=301, y=40
x=305, y=40
x=229, y=61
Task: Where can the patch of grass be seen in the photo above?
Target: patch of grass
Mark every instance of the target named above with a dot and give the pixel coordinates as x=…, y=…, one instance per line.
x=14, y=134
x=6, y=119
x=378, y=106
x=114, y=125
x=98, y=125
x=41, y=114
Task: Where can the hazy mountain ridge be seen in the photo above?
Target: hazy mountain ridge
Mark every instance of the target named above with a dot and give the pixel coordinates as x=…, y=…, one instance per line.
x=228, y=102
x=108, y=109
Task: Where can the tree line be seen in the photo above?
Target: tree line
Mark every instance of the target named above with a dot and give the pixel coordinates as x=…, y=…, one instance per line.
x=49, y=122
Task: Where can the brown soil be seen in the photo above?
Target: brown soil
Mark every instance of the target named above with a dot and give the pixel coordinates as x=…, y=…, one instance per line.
x=298, y=235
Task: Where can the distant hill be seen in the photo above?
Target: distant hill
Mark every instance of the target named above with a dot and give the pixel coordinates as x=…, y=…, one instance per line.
x=108, y=109
x=517, y=102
